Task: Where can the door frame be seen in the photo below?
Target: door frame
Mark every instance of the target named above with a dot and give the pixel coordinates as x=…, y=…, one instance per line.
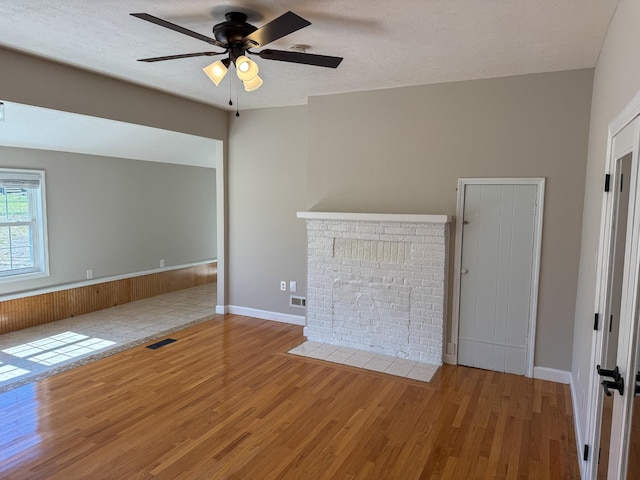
x=452, y=356
x=594, y=405
x=221, y=226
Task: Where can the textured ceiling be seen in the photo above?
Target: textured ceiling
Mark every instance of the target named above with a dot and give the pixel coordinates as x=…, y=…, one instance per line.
x=384, y=44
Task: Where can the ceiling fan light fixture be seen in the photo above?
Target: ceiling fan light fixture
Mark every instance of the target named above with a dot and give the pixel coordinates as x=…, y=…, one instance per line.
x=246, y=68
x=235, y=37
x=253, y=84
x=216, y=71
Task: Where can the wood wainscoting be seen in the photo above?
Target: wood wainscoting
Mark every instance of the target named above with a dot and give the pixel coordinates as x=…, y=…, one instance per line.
x=36, y=310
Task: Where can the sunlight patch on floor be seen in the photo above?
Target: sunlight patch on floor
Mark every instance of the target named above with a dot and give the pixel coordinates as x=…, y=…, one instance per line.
x=9, y=371
x=45, y=351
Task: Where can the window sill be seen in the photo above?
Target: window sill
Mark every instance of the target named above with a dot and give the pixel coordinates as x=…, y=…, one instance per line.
x=23, y=277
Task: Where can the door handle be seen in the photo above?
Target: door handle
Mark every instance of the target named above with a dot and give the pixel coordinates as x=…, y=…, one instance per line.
x=616, y=384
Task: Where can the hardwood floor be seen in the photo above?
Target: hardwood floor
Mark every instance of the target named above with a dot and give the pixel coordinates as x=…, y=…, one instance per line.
x=226, y=402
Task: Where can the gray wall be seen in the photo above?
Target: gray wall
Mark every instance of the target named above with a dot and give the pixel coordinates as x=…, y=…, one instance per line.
x=267, y=186
x=616, y=81
x=118, y=216
x=402, y=150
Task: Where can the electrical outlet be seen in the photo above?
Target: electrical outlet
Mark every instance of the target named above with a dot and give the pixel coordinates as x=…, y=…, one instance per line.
x=293, y=286
x=89, y=274
x=162, y=263
x=283, y=286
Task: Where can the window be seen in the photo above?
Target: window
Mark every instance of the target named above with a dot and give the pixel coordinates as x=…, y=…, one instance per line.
x=23, y=246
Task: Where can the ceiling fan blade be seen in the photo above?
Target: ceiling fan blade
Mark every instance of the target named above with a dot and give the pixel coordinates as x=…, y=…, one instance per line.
x=176, y=28
x=184, y=55
x=277, y=28
x=298, y=57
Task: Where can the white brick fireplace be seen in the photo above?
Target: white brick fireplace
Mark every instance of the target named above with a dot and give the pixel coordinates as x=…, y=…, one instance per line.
x=377, y=282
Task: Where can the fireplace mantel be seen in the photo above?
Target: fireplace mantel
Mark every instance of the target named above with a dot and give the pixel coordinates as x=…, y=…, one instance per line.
x=377, y=282
x=375, y=217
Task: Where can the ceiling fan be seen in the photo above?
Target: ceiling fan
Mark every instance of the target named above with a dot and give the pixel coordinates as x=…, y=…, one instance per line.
x=237, y=38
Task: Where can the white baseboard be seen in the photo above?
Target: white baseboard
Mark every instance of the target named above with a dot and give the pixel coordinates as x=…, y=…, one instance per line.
x=576, y=425
x=449, y=359
x=552, y=375
x=266, y=315
x=222, y=309
x=562, y=376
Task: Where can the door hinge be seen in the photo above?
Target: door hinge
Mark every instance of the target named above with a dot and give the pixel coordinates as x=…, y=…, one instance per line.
x=595, y=322
x=607, y=181
x=585, y=453
x=610, y=323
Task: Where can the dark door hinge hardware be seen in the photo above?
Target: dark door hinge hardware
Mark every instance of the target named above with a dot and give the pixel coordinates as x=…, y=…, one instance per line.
x=585, y=453
x=607, y=181
x=610, y=323
x=595, y=322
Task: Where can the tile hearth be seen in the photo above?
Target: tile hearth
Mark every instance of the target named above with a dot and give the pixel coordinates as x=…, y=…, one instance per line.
x=376, y=362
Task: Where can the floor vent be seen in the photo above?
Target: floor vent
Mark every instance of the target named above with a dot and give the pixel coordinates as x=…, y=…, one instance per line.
x=161, y=343
x=300, y=302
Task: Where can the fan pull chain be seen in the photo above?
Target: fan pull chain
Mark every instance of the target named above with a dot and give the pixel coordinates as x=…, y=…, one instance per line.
x=230, y=102
x=237, y=100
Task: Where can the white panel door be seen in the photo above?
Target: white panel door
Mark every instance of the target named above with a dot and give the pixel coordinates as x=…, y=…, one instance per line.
x=624, y=446
x=496, y=276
